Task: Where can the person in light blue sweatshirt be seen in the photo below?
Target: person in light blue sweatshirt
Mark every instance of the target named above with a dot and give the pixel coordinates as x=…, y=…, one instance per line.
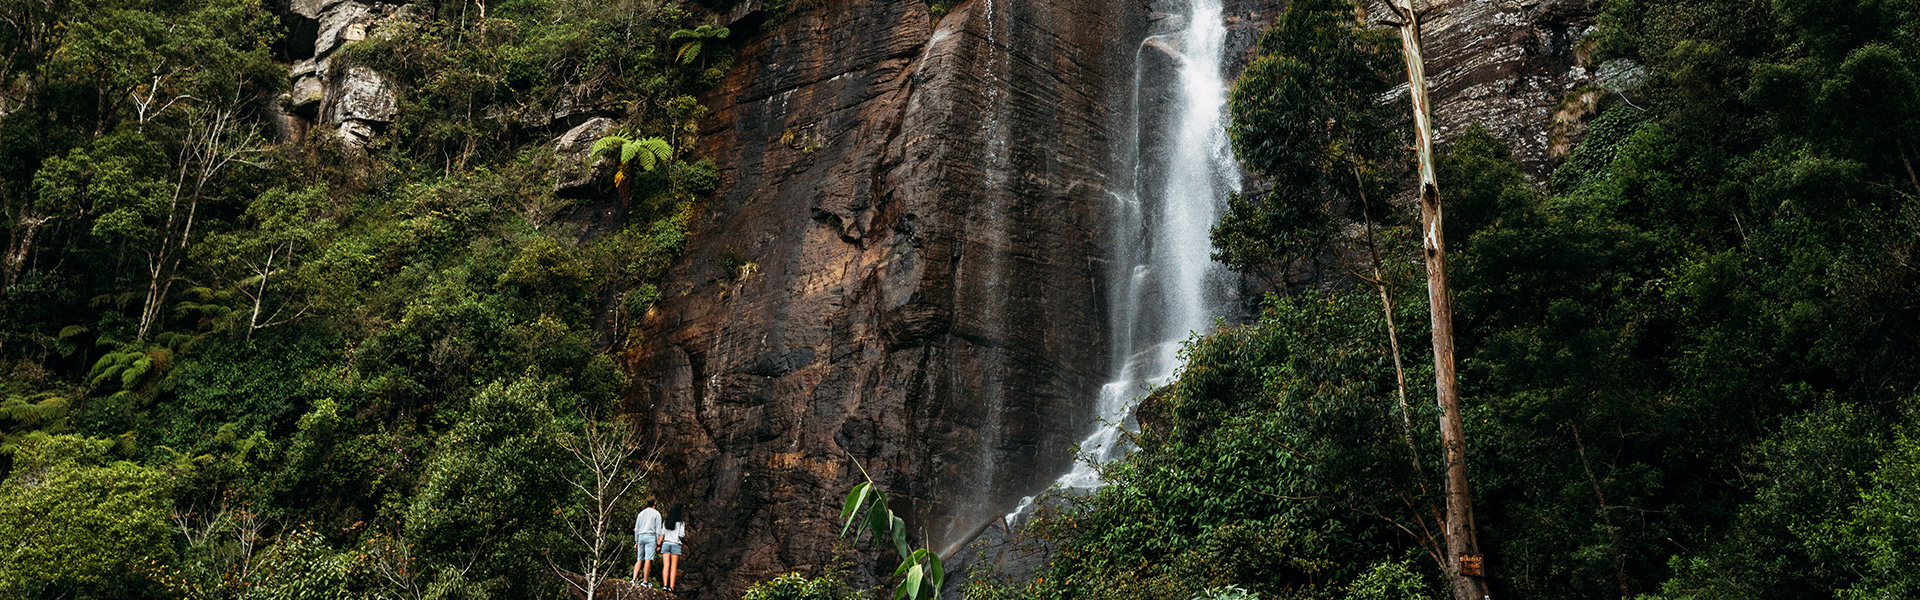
x=646, y=537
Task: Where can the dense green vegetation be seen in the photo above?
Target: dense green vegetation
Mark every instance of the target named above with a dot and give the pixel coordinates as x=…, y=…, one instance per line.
x=238, y=367
x=235, y=367
x=1689, y=359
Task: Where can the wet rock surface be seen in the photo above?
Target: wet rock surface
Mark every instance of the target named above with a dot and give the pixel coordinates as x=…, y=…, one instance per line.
x=922, y=209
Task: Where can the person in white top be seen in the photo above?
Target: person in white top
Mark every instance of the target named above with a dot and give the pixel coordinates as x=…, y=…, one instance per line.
x=672, y=532
x=646, y=533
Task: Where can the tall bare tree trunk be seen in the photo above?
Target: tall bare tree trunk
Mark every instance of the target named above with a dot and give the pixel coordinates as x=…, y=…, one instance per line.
x=1461, y=540
x=1393, y=333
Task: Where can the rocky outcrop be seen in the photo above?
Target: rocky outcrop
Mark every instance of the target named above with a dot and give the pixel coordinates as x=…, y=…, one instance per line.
x=1507, y=65
x=353, y=100
x=574, y=174
x=904, y=264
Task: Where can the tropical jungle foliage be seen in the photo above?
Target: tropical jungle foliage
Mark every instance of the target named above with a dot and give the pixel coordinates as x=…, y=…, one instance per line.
x=235, y=363
x=238, y=363
x=1688, y=356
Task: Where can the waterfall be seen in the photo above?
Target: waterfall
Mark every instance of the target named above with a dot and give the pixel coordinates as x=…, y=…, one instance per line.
x=1165, y=285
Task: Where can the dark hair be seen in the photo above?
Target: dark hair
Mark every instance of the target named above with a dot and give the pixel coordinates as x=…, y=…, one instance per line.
x=673, y=518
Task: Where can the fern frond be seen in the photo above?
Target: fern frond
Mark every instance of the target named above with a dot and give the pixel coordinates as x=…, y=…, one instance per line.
x=34, y=410
x=72, y=330
x=132, y=374
x=689, y=52
x=605, y=144
x=628, y=150
x=108, y=367
x=654, y=152
x=683, y=34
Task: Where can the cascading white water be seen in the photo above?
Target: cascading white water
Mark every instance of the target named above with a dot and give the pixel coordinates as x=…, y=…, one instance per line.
x=1166, y=285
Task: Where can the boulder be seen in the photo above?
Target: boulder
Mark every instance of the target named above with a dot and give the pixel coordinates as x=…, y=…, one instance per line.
x=311, y=9
x=341, y=23
x=363, y=95
x=308, y=89
x=573, y=171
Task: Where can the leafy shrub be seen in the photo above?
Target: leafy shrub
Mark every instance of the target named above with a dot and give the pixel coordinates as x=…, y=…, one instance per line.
x=1390, y=580
x=491, y=488
x=794, y=586
x=80, y=525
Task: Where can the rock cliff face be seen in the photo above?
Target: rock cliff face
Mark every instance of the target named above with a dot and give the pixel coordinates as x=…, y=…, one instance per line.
x=905, y=262
x=902, y=267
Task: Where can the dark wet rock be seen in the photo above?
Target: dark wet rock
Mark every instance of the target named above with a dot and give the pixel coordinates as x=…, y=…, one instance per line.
x=924, y=209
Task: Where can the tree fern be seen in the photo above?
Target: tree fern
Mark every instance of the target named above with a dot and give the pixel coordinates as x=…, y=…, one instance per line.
x=136, y=368
x=602, y=146
x=696, y=38
x=650, y=153
x=34, y=410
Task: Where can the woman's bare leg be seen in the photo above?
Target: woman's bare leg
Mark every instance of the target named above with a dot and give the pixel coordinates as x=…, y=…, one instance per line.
x=673, y=570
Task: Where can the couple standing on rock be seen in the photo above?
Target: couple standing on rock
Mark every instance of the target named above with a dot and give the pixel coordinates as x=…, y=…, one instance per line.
x=650, y=529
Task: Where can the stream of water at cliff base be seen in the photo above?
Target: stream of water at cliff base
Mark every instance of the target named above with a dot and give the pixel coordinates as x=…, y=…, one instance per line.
x=1166, y=287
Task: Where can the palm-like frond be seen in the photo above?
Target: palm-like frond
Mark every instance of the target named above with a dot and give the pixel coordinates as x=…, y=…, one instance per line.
x=649, y=153
x=703, y=32
x=35, y=409
x=652, y=152
x=695, y=40
x=605, y=146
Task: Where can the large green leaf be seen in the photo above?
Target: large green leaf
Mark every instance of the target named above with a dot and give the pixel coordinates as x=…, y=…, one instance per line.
x=653, y=152
x=911, y=587
x=851, y=511
x=629, y=150
x=877, y=514
x=898, y=527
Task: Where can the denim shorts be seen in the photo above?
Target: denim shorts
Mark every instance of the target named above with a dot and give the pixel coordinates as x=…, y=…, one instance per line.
x=644, y=545
x=670, y=548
